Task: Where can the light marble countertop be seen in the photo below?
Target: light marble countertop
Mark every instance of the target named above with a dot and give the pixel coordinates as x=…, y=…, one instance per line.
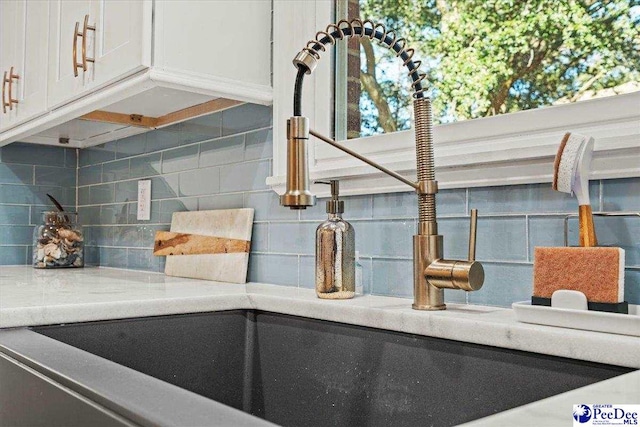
x=30, y=297
x=557, y=410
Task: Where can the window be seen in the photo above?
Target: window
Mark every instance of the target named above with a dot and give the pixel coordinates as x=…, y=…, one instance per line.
x=485, y=58
x=513, y=148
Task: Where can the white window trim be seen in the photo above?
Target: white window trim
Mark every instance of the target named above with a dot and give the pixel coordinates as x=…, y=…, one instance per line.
x=510, y=149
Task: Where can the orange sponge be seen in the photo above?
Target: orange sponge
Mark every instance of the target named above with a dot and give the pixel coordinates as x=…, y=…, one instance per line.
x=597, y=272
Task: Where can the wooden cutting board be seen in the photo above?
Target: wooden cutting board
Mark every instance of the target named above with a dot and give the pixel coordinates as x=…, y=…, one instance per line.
x=221, y=267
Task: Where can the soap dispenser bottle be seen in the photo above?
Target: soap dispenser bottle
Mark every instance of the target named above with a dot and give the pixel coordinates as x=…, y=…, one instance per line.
x=335, y=252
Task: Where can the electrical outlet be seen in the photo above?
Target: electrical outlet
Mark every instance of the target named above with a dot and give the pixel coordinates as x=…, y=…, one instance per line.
x=144, y=200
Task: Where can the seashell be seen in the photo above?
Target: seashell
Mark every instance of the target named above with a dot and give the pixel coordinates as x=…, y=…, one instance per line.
x=73, y=243
x=52, y=250
x=40, y=254
x=70, y=235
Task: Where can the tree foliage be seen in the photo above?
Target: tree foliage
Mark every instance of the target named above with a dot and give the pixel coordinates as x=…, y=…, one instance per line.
x=487, y=57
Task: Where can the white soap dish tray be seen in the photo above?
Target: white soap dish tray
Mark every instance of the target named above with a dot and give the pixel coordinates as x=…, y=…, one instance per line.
x=588, y=320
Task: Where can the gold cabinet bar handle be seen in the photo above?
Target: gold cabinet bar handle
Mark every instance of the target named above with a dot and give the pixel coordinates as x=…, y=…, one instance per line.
x=75, y=50
x=4, y=101
x=86, y=27
x=11, y=77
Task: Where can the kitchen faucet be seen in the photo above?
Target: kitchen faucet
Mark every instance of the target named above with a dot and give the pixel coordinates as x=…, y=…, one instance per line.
x=431, y=272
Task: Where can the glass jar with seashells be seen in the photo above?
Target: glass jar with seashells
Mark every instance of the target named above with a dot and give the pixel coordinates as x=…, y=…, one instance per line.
x=59, y=241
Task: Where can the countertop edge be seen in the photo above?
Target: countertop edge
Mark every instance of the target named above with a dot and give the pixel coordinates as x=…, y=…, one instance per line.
x=89, y=296
x=91, y=312
x=482, y=325
x=557, y=410
x=549, y=340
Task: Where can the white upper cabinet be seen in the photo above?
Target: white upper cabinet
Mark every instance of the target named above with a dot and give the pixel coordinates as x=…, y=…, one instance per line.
x=94, y=43
x=230, y=39
x=23, y=60
x=128, y=65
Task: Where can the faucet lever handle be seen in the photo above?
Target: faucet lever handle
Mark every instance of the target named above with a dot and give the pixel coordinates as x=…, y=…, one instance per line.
x=473, y=230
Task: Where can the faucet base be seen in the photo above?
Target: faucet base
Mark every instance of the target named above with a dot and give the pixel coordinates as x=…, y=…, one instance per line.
x=429, y=307
x=426, y=249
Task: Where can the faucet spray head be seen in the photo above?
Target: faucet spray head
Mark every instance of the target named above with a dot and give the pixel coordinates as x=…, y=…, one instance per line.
x=298, y=195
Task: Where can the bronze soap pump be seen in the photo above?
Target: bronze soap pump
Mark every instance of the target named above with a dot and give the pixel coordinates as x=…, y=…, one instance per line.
x=335, y=251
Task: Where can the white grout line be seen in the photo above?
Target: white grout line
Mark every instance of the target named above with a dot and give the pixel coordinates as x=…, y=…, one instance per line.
x=181, y=146
x=466, y=200
x=78, y=177
x=162, y=175
x=601, y=195
x=298, y=271
x=527, y=237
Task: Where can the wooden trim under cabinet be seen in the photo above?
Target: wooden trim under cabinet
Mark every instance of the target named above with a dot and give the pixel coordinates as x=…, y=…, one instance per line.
x=139, y=120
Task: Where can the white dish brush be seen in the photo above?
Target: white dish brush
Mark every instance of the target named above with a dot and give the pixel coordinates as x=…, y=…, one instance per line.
x=571, y=175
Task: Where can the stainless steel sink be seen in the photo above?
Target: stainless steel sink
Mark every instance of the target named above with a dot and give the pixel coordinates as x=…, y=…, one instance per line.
x=295, y=371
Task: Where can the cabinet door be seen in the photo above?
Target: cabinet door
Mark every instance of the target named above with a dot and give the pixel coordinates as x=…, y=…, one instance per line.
x=229, y=40
x=64, y=15
x=119, y=44
x=23, y=46
x=11, y=18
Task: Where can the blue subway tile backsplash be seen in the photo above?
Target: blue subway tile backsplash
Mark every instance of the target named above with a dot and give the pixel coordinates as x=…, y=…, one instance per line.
x=14, y=215
x=98, y=154
x=292, y=237
x=16, y=235
x=246, y=118
x=504, y=284
x=13, y=255
x=145, y=166
x=392, y=277
x=130, y=146
x=27, y=173
x=392, y=238
x=180, y=159
x=221, y=201
x=90, y=175
x=222, y=151
x=244, y=176
x=16, y=174
x=621, y=195
x=197, y=182
x=358, y=207
x=25, y=154
x=531, y=198
x=103, y=193
x=221, y=161
x=273, y=268
x=267, y=207
x=200, y=129
x=115, y=171
x=258, y=145
x=306, y=272
x=164, y=138
x=63, y=177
